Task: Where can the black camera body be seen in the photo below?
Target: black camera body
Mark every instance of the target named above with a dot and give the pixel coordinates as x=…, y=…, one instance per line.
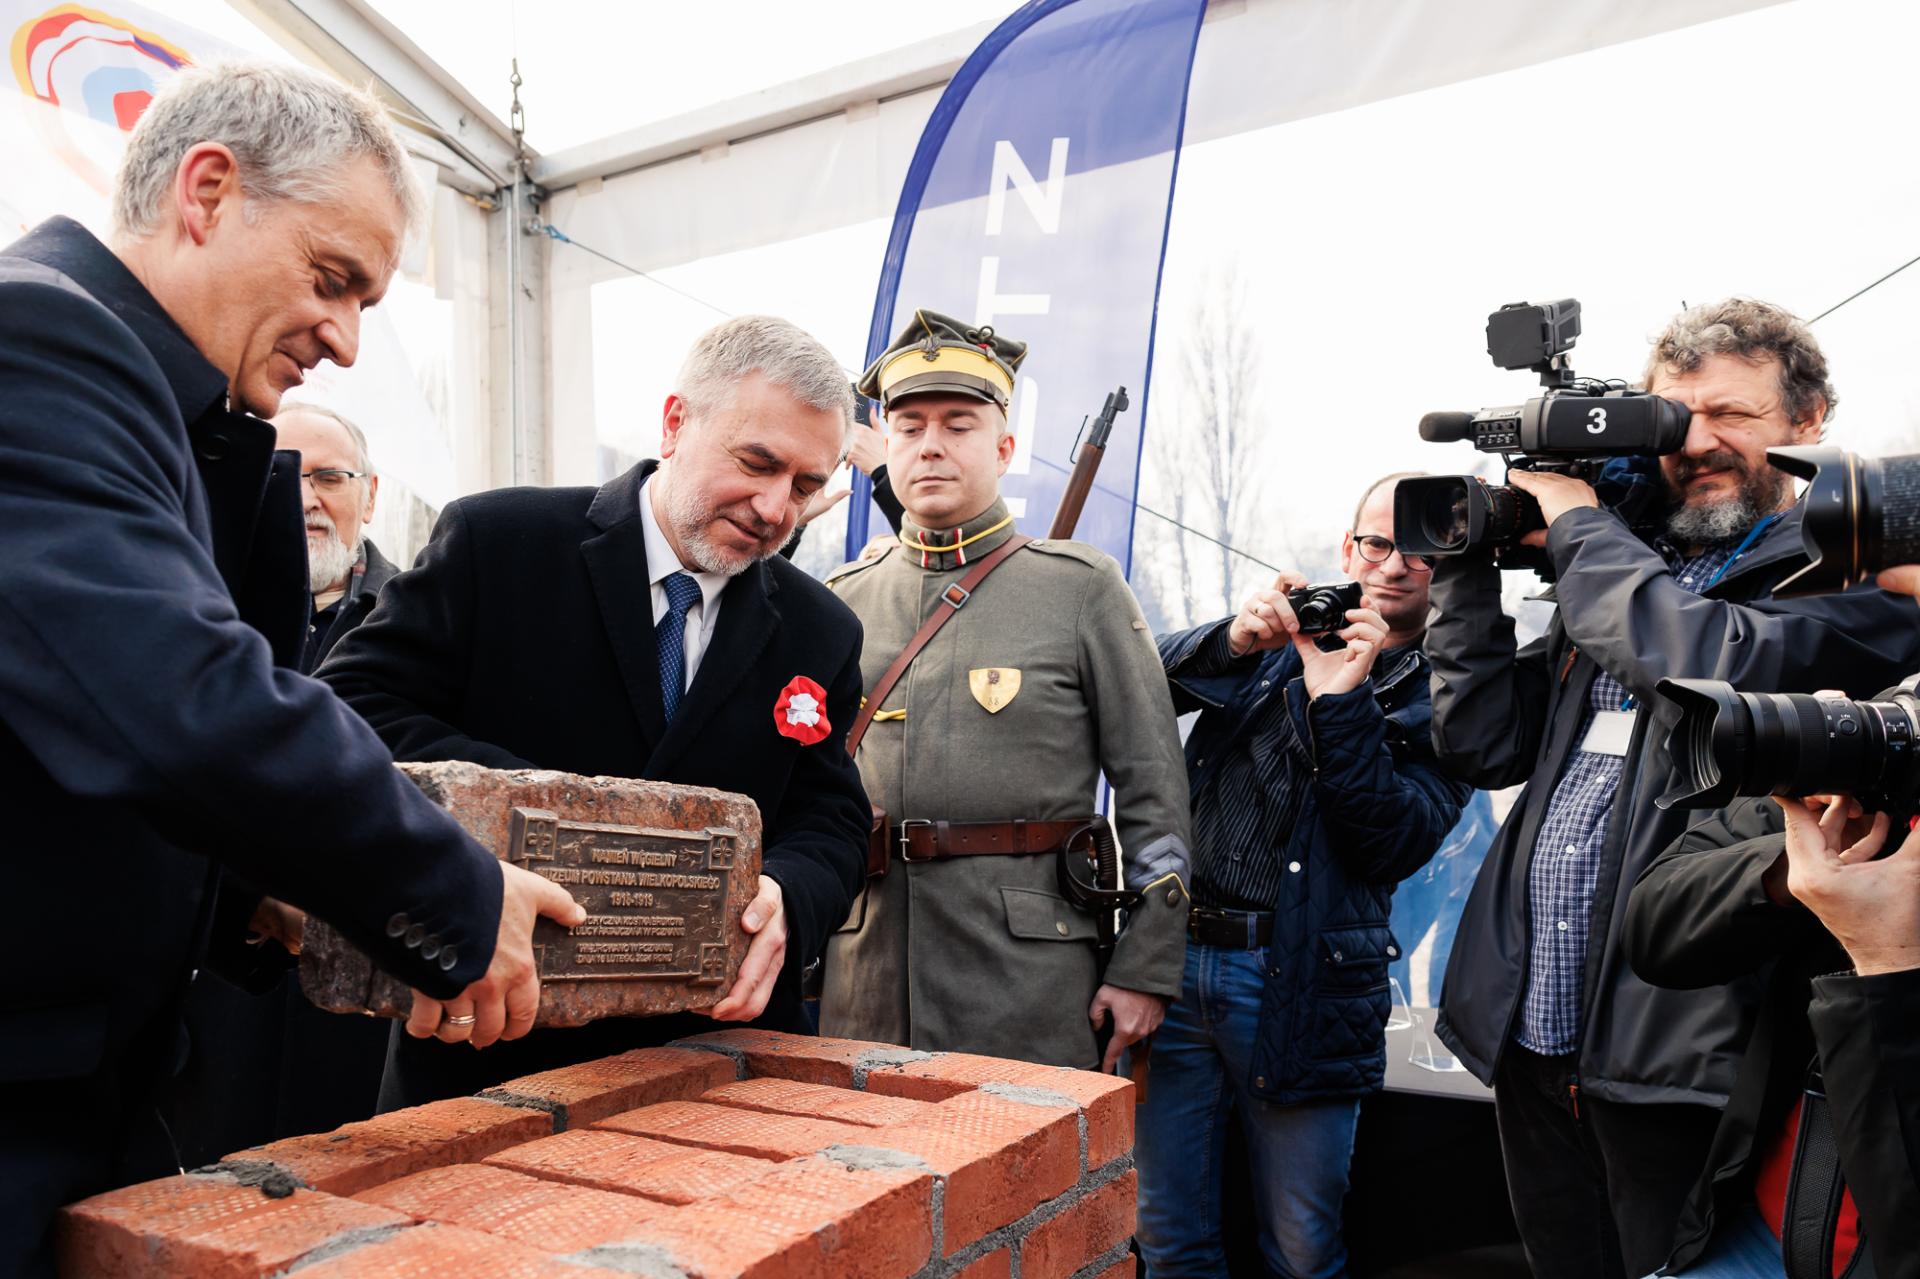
x=1727, y=744
x=1575, y=428
x=1322, y=609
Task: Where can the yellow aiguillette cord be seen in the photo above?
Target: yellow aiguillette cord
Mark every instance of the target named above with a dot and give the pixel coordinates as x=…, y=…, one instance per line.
x=912, y=545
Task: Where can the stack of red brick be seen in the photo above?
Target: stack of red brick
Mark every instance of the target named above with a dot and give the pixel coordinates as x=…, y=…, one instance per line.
x=741, y=1153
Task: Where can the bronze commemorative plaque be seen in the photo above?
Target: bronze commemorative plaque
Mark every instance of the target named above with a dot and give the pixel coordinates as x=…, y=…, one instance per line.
x=663, y=870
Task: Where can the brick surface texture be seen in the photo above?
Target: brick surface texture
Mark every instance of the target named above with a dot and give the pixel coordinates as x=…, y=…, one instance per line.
x=741, y=1153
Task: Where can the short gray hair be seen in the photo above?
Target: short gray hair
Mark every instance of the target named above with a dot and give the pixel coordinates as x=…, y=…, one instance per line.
x=354, y=433
x=1753, y=331
x=780, y=351
x=290, y=129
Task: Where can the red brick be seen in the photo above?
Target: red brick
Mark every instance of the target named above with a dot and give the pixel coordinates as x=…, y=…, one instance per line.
x=1062, y=1245
x=1107, y=1100
x=742, y=1132
x=547, y=1215
x=809, y=1217
x=358, y=1155
x=632, y=1165
x=806, y=1058
x=1121, y=1269
x=817, y=1101
x=203, y=1226
x=595, y=1089
x=997, y=1264
x=1001, y=1158
x=435, y=1252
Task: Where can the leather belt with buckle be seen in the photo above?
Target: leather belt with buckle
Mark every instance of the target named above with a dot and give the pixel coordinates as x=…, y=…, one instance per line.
x=922, y=840
x=1230, y=929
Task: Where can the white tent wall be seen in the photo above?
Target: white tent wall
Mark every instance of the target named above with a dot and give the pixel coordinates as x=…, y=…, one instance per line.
x=1259, y=63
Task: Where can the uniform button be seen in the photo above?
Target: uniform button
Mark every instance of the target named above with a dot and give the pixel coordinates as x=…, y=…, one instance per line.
x=1294, y=867
x=415, y=936
x=1060, y=927
x=448, y=958
x=1173, y=897
x=1393, y=952
x=430, y=948
x=397, y=925
x=1562, y=925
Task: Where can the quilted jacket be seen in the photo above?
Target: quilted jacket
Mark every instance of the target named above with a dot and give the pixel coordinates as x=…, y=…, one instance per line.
x=1374, y=807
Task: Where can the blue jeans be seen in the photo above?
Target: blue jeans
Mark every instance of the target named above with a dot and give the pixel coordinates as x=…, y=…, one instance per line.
x=1743, y=1248
x=1299, y=1155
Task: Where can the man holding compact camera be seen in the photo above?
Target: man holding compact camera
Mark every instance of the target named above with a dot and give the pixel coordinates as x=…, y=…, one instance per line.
x=1315, y=791
x=1606, y=1088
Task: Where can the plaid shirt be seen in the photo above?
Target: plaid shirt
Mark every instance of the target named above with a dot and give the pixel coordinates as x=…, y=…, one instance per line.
x=1567, y=854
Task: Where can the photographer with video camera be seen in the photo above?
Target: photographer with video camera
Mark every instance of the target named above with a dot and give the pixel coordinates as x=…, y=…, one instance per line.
x=1607, y=1089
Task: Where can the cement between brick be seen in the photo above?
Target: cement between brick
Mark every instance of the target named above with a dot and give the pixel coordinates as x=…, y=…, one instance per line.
x=525, y=1101
x=737, y=1055
x=882, y=1058
x=345, y=1241
x=645, y=1259
x=1010, y=1236
x=268, y=1177
x=1111, y=1257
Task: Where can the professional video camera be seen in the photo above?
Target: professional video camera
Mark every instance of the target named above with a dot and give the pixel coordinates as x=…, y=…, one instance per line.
x=1728, y=743
x=1574, y=429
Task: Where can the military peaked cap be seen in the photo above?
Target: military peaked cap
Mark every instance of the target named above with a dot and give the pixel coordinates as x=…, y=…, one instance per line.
x=936, y=352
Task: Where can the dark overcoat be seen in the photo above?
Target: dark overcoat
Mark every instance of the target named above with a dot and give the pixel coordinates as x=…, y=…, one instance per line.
x=523, y=638
x=152, y=569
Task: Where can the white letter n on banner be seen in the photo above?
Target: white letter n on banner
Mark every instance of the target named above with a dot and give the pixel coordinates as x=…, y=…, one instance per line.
x=1010, y=170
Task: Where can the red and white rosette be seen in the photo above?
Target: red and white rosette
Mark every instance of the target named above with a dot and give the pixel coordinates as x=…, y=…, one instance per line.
x=801, y=712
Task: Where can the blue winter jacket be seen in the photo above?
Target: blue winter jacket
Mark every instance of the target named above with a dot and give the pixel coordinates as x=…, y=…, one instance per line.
x=1373, y=809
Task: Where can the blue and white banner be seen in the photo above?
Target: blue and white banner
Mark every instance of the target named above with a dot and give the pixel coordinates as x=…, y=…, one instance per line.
x=1037, y=202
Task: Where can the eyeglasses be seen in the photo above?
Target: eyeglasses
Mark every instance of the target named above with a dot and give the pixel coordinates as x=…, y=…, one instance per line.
x=330, y=479
x=1375, y=549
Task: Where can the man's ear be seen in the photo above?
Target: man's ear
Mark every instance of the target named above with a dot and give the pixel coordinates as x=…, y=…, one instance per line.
x=673, y=416
x=373, y=491
x=1005, y=447
x=1347, y=548
x=1807, y=430
x=206, y=188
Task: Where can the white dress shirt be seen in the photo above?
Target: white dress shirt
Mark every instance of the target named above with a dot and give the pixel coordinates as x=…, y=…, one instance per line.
x=661, y=563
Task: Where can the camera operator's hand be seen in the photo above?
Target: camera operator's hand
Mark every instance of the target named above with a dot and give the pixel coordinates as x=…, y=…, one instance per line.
x=1342, y=670
x=1556, y=494
x=1871, y=907
x=1266, y=620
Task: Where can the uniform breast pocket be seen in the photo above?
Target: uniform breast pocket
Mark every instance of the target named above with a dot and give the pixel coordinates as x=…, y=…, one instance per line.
x=1038, y=916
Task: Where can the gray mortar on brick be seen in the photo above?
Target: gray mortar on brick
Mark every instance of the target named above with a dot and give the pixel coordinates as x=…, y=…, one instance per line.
x=874, y=1158
x=1028, y=1096
x=526, y=1101
x=1010, y=1236
x=650, y=1261
x=1111, y=1257
x=344, y=1242
x=884, y=1059
x=269, y=1178
x=738, y=1056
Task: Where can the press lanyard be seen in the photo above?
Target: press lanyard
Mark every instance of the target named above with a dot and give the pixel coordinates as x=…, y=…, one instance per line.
x=1746, y=544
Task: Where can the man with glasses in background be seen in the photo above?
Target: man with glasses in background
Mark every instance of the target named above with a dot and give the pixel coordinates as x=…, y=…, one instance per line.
x=1314, y=792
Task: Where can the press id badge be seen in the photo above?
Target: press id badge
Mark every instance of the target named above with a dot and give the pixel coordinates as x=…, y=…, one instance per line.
x=1610, y=733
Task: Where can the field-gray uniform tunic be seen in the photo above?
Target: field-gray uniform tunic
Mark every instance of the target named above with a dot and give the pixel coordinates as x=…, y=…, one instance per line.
x=983, y=954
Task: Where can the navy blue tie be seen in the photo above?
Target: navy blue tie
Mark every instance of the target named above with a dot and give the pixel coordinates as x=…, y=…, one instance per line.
x=682, y=594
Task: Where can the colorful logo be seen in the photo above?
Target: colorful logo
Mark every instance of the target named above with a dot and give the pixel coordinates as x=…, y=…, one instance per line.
x=101, y=66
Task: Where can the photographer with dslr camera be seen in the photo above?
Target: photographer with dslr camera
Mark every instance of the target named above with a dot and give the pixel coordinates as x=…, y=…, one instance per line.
x=1607, y=1089
x=1314, y=792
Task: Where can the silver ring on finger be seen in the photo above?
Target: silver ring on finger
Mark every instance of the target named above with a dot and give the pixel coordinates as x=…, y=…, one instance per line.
x=468, y=1020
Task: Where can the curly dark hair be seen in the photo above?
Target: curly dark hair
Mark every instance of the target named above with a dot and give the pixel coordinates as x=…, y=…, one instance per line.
x=1753, y=331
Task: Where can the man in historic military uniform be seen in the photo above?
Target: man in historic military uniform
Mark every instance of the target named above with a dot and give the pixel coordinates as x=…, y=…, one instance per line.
x=992, y=742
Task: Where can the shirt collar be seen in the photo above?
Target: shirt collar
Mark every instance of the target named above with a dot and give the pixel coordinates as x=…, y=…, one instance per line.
x=69, y=248
x=661, y=560
x=939, y=549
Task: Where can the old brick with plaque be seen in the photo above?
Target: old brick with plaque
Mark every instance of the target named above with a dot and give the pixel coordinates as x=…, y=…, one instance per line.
x=663, y=870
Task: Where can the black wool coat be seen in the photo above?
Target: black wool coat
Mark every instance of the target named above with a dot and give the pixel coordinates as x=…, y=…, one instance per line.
x=152, y=593
x=523, y=638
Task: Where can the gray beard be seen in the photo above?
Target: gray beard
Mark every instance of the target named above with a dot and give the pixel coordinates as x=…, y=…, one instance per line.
x=689, y=518
x=1715, y=527
x=332, y=559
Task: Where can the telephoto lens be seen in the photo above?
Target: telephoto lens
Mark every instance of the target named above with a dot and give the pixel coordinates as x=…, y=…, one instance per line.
x=1727, y=744
x=1862, y=515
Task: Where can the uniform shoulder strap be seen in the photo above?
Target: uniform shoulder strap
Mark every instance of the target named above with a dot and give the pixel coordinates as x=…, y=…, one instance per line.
x=955, y=597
